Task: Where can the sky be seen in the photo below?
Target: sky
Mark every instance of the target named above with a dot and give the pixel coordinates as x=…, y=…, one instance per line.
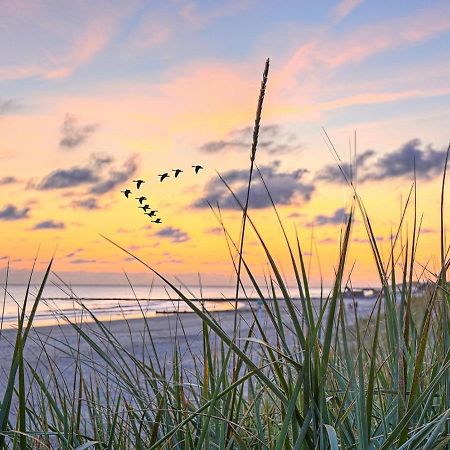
x=96, y=94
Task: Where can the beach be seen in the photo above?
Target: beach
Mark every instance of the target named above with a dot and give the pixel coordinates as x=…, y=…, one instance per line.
x=139, y=337
x=132, y=334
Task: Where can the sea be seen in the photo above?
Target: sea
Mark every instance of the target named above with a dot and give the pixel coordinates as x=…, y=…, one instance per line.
x=60, y=304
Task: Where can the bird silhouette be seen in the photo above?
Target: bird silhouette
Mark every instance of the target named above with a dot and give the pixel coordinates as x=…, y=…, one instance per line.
x=127, y=192
x=145, y=207
x=197, y=168
x=158, y=220
x=141, y=199
x=163, y=175
x=152, y=212
x=138, y=183
x=177, y=172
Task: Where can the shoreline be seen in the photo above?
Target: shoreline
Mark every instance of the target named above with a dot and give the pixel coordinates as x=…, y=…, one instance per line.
x=113, y=313
x=53, y=310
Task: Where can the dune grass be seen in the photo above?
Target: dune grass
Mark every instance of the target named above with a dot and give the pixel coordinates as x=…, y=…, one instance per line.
x=301, y=378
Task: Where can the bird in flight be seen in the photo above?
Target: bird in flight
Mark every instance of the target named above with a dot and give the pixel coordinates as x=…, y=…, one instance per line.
x=141, y=199
x=197, y=168
x=127, y=192
x=177, y=172
x=152, y=212
x=163, y=175
x=158, y=220
x=145, y=207
x=138, y=183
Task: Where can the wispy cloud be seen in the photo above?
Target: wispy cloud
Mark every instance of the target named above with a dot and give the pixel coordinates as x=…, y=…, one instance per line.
x=89, y=203
x=94, y=38
x=361, y=240
x=284, y=187
x=336, y=218
x=87, y=44
x=11, y=212
x=331, y=51
x=174, y=234
x=343, y=9
x=83, y=261
x=214, y=231
x=327, y=240
x=272, y=139
x=8, y=180
x=73, y=133
x=371, y=98
x=7, y=106
x=49, y=225
x=152, y=30
x=74, y=253
x=22, y=72
x=82, y=31
x=296, y=215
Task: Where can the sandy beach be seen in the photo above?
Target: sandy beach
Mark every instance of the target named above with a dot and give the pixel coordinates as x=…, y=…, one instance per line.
x=133, y=335
x=62, y=341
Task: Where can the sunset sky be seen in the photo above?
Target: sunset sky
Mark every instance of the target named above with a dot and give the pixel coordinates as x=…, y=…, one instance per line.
x=96, y=94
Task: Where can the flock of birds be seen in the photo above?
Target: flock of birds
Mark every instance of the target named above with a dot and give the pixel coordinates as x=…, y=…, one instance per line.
x=148, y=211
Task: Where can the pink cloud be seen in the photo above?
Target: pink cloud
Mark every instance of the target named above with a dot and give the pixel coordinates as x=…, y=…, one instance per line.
x=20, y=73
x=152, y=31
x=314, y=109
x=334, y=51
x=55, y=74
x=79, y=35
x=343, y=9
x=371, y=98
x=90, y=42
x=94, y=39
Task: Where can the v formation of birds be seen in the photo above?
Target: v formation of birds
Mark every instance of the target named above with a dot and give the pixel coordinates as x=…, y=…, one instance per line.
x=148, y=211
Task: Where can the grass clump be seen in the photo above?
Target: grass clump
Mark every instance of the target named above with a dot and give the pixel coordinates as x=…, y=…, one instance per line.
x=291, y=376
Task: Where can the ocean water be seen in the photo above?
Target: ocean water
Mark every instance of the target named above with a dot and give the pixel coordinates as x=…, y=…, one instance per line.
x=60, y=303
